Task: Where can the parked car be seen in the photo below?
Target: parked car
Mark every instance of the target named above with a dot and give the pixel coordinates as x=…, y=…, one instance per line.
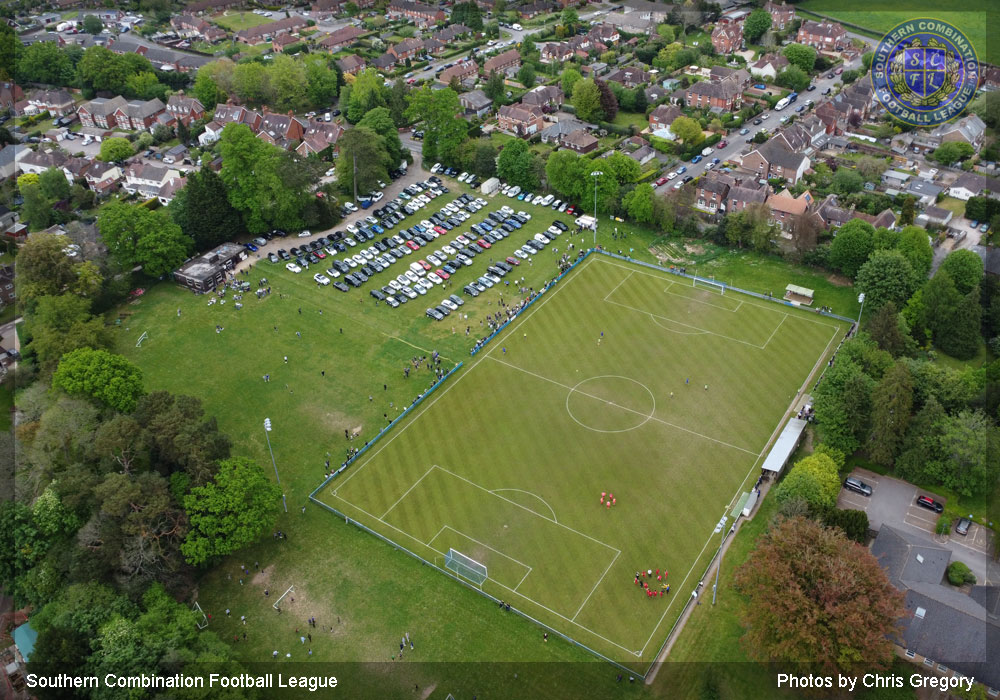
x=321, y=279
x=962, y=527
x=292, y=267
x=697, y=159
x=930, y=504
x=855, y=484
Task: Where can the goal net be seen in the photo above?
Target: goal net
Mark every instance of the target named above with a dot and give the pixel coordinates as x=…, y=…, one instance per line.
x=142, y=337
x=465, y=566
x=710, y=285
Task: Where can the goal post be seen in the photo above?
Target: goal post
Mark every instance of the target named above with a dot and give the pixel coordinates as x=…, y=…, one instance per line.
x=712, y=285
x=145, y=334
x=464, y=566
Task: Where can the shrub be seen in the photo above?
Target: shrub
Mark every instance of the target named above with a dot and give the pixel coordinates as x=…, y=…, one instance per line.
x=959, y=574
x=943, y=526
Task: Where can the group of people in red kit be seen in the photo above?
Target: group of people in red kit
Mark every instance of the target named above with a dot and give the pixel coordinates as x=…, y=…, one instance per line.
x=608, y=499
x=651, y=592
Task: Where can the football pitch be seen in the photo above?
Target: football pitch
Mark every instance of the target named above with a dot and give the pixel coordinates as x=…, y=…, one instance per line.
x=620, y=380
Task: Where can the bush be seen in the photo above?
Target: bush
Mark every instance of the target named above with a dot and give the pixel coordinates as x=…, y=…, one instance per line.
x=854, y=523
x=943, y=526
x=960, y=574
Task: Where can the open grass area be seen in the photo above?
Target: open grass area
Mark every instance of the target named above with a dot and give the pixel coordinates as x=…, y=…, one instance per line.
x=639, y=121
x=954, y=205
x=369, y=592
x=969, y=16
x=238, y=20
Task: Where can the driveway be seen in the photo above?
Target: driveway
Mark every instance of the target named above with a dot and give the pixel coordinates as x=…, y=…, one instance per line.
x=893, y=503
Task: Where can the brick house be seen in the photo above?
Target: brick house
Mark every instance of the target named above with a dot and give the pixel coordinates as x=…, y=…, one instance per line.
x=722, y=96
x=605, y=34
x=102, y=178
x=319, y=136
x=55, y=102
x=451, y=33
x=769, y=66
x=781, y=15
x=342, y=38
x=147, y=179
x=189, y=25
x=663, y=116
x=464, y=71
x=281, y=127
x=711, y=192
x=212, y=5
x=506, y=63
x=238, y=114
x=544, y=95
x=185, y=109
x=265, y=32
x=630, y=77
x=283, y=41
x=825, y=36
x=351, y=64
x=727, y=38
x=105, y=113
x=785, y=208
x=475, y=102
x=556, y=52
x=407, y=48
x=580, y=141
x=773, y=159
x=520, y=120
x=417, y=12
x=740, y=197
x=9, y=94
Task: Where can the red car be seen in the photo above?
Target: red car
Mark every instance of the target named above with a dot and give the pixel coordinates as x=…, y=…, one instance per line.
x=722, y=144
x=319, y=254
x=483, y=244
x=442, y=274
x=439, y=230
x=514, y=261
x=412, y=246
x=570, y=209
x=661, y=181
x=424, y=264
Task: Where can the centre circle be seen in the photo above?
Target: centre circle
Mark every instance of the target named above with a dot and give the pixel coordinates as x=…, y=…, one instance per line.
x=610, y=404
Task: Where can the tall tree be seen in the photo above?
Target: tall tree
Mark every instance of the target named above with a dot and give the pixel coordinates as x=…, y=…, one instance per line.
x=799, y=572
x=687, y=130
x=43, y=62
x=398, y=102
x=639, y=203
x=115, y=150
x=515, y=164
x=322, y=83
x=609, y=103
x=136, y=235
x=109, y=378
x=965, y=268
x=888, y=329
x=380, y=121
x=915, y=245
x=815, y=480
x=800, y=55
x=851, y=246
x=203, y=211
x=892, y=401
x=960, y=338
x=368, y=92
x=526, y=75
x=231, y=512
x=444, y=128
x=250, y=83
x=569, y=78
x=843, y=405
x=566, y=173
x=587, y=100
x=54, y=185
x=756, y=23
x=364, y=161
x=886, y=276
x=288, y=85
x=970, y=447
x=495, y=88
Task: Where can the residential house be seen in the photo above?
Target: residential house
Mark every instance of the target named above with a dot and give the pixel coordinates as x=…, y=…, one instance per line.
x=465, y=72
x=320, y=136
x=281, y=129
x=653, y=11
x=434, y=47
x=169, y=189
x=116, y=112
x=579, y=141
x=341, y=39
x=406, y=49
x=102, y=177
x=727, y=38
x=629, y=77
x=7, y=292
x=711, y=191
x=781, y=15
x=520, y=120
x=555, y=132
x=189, y=26
x=594, y=70
x=283, y=41
x=722, y=96
x=638, y=149
x=55, y=102
x=769, y=66
x=825, y=36
x=989, y=77
x=935, y=216
x=969, y=129
x=773, y=159
x=10, y=156
x=851, y=106
x=475, y=103
x=185, y=109
x=384, y=62
x=946, y=630
x=556, y=52
x=605, y=34
x=785, y=207
x=238, y=114
x=925, y=191
x=205, y=272
x=506, y=63
x=351, y=64
x=741, y=196
x=737, y=75
x=265, y=32
x=972, y=185
x=418, y=13
x=834, y=216
x=325, y=9
x=212, y=5
x=38, y=162
x=544, y=96
x=663, y=116
x=147, y=179
x=451, y=33
x=211, y=134
x=9, y=94
x=534, y=8
x=633, y=22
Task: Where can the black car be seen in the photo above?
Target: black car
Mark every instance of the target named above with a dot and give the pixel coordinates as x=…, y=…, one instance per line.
x=443, y=310
x=505, y=266
x=560, y=225
x=379, y=296
x=340, y=285
x=435, y=314
x=353, y=280
x=810, y=88
x=361, y=276
x=313, y=260
x=470, y=290
x=283, y=254
x=930, y=504
x=758, y=121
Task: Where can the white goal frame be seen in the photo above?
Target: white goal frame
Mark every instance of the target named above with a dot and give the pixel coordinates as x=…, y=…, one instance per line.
x=721, y=286
x=465, y=566
x=145, y=334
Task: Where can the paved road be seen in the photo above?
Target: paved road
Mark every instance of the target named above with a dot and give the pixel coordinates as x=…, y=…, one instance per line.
x=893, y=502
x=770, y=122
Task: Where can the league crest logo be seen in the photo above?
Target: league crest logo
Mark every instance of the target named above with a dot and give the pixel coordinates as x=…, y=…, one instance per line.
x=925, y=72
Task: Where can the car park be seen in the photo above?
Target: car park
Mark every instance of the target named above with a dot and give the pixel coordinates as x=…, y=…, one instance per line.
x=852, y=483
x=962, y=526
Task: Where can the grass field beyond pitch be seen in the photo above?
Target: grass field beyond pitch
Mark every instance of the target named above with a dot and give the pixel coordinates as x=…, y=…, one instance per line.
x=599, y=388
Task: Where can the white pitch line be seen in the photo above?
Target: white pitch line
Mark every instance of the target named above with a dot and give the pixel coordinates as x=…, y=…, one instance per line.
x=551, y=509
x=681, y=323
x=762, y=347
x=473, y=539
x=521, y=581
x=613, y=560
x=624, y=280
x=625, y=408
x=407, y=492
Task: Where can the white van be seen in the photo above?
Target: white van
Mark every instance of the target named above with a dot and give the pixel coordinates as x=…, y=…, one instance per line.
x=418, y=269
x=547, y=200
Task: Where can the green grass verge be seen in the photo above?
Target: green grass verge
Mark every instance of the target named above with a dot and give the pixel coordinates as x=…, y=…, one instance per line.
x=238, y=21
x=954, y=205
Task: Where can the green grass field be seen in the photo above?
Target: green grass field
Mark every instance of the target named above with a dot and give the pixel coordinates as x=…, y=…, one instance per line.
x=970, y=16
x=508, y=463
x=365, y=589
x=238, y=21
